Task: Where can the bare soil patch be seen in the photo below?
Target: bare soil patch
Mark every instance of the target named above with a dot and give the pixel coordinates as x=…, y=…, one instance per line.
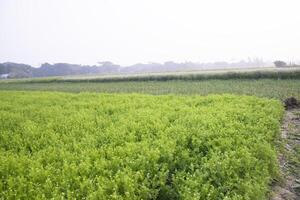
x=289, y=157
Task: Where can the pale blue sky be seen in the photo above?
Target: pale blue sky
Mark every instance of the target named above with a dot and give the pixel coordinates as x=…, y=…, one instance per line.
x=131, y=31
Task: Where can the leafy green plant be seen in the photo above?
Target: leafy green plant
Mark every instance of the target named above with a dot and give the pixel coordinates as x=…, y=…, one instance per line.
x=118, y=146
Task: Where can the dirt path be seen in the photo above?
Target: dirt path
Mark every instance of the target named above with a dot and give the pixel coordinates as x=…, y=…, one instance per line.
x=289, y=158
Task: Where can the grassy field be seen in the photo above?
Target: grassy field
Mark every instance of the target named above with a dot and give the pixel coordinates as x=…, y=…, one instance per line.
x=271, y=83
x=254, y=74
x=271, y=88
x=133, y=146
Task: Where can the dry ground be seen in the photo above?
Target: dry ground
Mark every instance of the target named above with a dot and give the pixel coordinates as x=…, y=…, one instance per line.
x=289, y=158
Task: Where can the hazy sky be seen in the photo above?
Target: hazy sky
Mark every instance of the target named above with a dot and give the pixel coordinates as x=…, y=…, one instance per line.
x=131, y=31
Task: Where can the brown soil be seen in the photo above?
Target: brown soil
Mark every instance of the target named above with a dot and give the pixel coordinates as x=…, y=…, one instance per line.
x=291, y=103
x=289, y=158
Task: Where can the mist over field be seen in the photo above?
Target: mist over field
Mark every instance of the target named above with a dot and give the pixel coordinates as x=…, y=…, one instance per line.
x=135, y=31
x=18, y=70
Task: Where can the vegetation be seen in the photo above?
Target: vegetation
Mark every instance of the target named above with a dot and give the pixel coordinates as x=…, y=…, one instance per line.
x=280, y=63
x=248, y=75
x=16, y=70
x=271, y=88
x=133, y=146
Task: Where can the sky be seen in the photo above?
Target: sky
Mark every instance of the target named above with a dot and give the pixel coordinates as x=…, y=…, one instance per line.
x=141, y=31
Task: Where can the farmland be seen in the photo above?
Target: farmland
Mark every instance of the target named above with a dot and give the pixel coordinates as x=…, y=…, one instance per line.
x=143, y=137
x=149, y=100
x=278, y=84
x=135, y=146
x=270, y=88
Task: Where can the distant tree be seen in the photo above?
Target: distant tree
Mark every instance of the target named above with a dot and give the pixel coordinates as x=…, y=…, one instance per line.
x=280, y=63
x=2, y=69
x=106, y=63
x=108, y=67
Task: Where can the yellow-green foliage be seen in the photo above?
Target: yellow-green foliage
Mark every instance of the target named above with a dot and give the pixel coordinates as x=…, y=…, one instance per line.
x=117, y=146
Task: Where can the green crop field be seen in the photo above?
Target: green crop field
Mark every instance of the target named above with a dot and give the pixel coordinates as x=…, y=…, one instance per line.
x=270, y=88
x=136, y=146
x=279, y=84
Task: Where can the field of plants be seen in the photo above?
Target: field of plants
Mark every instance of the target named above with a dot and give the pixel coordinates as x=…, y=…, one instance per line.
x=278, y=84
x=136, y=146
x=270, y=88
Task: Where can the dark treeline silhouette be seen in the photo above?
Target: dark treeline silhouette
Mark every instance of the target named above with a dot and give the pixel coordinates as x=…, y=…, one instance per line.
x=16, y=70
